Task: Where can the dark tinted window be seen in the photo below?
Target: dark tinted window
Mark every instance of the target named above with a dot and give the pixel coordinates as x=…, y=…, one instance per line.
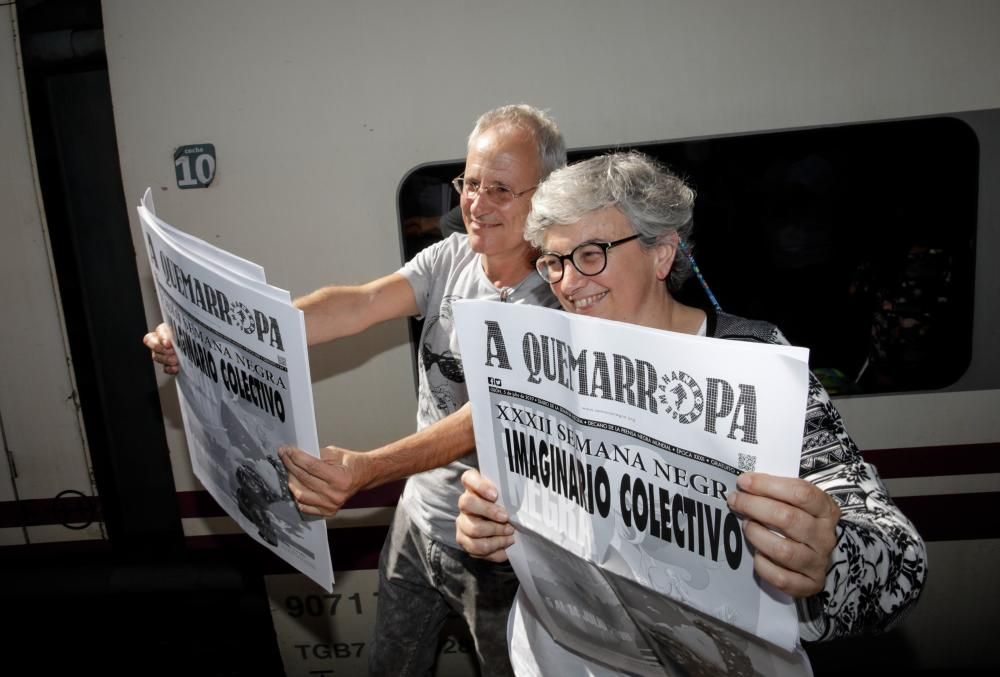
x=858, y=241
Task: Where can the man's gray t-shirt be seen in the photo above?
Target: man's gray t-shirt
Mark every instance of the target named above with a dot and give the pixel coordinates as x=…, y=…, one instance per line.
x=441, y=274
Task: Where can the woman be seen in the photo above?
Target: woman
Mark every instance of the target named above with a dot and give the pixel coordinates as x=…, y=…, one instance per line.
x=613, y=231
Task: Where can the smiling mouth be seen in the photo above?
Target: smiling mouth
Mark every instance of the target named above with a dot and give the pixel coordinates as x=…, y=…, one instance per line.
x=587, y=301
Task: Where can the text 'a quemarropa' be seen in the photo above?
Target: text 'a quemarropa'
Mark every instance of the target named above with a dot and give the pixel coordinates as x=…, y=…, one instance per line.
x=214, y=302
x=632, y=381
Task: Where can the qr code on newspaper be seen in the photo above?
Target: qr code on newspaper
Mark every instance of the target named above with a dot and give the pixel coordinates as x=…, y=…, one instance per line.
x=747, y=462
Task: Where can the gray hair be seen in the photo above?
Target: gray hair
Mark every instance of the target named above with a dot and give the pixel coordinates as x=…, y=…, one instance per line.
x=655, y=201
x=548, y=138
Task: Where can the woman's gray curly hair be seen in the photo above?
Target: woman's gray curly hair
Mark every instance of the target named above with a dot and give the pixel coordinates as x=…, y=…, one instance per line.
x=655, y=201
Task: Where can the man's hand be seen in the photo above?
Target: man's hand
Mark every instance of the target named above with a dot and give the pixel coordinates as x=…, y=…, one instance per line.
x=482, y=527
x=796, y=561
x=161, y=342
x=321, y=486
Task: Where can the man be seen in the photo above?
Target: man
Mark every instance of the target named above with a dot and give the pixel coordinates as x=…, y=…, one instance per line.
x=423, y=574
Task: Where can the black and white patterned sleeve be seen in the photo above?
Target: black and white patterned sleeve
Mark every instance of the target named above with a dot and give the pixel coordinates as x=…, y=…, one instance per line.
x=879, y=564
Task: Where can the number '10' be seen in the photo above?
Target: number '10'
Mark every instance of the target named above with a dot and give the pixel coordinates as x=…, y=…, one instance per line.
x=204, y=170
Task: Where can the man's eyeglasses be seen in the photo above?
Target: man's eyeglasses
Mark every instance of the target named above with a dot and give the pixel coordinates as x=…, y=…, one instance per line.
x=589, y=258
x=497, y=192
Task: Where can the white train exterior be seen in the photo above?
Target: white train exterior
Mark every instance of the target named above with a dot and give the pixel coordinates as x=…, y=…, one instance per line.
x=318, y=110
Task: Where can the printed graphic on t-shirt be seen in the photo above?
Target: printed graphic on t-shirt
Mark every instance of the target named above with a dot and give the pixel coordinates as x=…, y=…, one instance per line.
x=442, y=370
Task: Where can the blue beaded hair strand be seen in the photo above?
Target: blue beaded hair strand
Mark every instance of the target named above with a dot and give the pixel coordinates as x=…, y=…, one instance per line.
x=704, y=285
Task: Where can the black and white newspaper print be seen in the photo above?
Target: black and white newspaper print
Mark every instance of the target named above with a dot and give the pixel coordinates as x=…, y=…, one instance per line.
x=244, y=387
x=613, y=448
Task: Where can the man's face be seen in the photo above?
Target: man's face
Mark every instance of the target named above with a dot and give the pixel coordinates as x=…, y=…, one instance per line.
x=630, y=289
x=508, y=157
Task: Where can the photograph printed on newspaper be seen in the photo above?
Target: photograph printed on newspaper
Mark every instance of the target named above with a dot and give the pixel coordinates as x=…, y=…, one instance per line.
x=244, y=387
x=613, y=448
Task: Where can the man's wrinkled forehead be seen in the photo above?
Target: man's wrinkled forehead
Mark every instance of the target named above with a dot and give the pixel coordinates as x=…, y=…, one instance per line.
x=517, y=143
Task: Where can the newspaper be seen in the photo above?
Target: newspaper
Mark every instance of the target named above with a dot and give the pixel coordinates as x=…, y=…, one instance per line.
x=613, y=447
x=244, y=387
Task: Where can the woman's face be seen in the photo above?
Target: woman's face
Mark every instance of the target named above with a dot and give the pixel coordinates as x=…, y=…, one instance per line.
x=630, y=289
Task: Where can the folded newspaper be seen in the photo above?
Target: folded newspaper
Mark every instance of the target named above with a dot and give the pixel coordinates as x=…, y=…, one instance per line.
x=613, y=448
x=244, y=387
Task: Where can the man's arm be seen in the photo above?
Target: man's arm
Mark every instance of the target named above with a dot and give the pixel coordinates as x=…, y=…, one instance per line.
x=334, y=312
x=321, y=486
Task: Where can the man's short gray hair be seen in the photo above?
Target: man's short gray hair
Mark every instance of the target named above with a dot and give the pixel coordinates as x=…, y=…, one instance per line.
x=551, y=147
x=655, y=201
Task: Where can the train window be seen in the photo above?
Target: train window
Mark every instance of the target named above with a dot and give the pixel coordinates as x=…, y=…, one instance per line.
x=857, y=240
